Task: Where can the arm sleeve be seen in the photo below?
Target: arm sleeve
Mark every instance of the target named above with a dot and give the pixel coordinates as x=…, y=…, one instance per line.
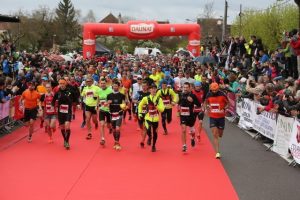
x=160, y=106
x=141, y=104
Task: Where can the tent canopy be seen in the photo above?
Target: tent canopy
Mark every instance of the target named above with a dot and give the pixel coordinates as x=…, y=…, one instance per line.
x=100, y=49
x=13, y=19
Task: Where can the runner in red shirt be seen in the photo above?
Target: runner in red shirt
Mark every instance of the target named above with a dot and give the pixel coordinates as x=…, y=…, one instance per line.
x=198, y=111
x=216, y=103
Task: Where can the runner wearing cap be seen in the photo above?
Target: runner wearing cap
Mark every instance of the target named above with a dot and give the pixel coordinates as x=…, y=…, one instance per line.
x=116, y=101
x=169, y=99
x=104, y=115
x=30, y=99
x=136, y=87
x=198, y=111
x=154, y=106
x=216, y=103
x=63, y=99
x=186, y=104
x=90, y=93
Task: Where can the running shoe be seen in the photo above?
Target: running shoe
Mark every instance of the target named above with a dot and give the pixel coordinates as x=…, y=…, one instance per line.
x=102, y=142
x=218, y=155
x=29, y=139
x=115, y=145
x=153, y=149
x=89, y=136
x=165, y=132
x=67, y=146
x=193, y=142
x=184, y=148
x=142, y=144
x=83, y=124
x=149, y=141
x=118, y=147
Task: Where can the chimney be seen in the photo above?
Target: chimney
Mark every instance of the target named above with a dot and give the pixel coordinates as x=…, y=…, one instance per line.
x=119, y=18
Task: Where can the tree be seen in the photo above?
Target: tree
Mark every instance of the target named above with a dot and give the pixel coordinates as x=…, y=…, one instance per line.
x=208, y=11
x=67, y=27
x=268, y=24
x=90, y=17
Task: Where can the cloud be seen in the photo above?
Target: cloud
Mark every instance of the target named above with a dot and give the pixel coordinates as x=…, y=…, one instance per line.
x=176, y=11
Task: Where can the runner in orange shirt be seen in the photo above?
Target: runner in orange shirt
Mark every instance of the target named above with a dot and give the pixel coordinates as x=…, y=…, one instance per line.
x=30, y=99
x=216, y=103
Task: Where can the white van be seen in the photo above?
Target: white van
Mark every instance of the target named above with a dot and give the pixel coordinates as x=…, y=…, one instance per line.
x=146, y=51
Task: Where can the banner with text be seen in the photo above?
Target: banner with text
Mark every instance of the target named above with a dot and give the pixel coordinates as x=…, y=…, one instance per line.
x=247, y=114
x=295, y=142
x=284, y=130
x=265, y=123
x=4, y=110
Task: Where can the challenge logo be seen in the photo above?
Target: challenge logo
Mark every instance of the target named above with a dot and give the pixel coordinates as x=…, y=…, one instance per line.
x=89, y=42
x=142, y=28
x=194, y=42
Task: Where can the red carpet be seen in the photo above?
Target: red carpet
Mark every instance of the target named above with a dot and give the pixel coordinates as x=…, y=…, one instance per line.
x=42, y=171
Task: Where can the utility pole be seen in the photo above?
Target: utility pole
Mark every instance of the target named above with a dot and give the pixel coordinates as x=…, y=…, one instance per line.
x=298, y=3
x=240, y=15
x=224, y=21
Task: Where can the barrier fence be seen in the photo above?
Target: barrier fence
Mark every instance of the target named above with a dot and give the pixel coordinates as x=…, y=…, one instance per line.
x=284, y=131
x=11, y=114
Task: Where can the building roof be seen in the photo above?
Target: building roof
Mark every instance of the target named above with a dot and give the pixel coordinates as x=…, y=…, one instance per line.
x=5, y=18
x=110, y=18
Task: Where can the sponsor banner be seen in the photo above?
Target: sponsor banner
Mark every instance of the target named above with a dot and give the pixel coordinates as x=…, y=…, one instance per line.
x=89, y=42
x=239, y=108
x=232, y=104
x=19, y=108
x=247, y=114
x=194, y=42
x=265, y=123
x=295, y=142
x=142, y=28
x=4, y=110
x=284, y=130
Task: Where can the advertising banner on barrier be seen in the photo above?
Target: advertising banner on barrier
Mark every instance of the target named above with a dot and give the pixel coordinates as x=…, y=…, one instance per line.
x=232, y=103
x=284, y=130
x=247, y=113
x=239, y=108
x=265, y=124
x=19, y=109
x=4, y=110
x=295, y=142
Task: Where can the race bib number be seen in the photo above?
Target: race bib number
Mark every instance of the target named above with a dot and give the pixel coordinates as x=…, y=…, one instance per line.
x=115, y=116
x=90, y=94
x=64, y=108
x=144, y=110
x=185, y=111
x=153, y=113
x=197, y=109
x=166, y=102
x=215, y=108
x=102, y=103
x=49, y=109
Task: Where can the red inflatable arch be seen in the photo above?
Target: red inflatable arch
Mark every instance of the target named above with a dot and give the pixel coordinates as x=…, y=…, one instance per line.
x=139, y=30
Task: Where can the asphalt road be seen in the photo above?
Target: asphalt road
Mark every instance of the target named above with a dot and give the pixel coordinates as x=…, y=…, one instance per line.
x=256, y=174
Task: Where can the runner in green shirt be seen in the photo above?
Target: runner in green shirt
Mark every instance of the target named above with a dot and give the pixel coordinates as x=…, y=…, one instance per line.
x=91, y=94
x=104, y=115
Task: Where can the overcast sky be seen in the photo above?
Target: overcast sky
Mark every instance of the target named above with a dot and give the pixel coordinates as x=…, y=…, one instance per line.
x=176, y=11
